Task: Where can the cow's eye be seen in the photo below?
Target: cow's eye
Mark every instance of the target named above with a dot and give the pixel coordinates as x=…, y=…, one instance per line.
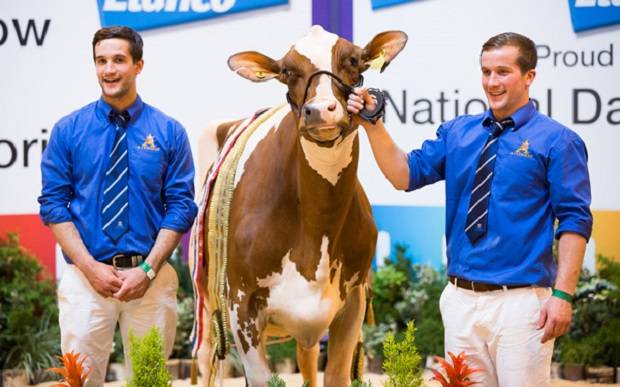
x=354, y=61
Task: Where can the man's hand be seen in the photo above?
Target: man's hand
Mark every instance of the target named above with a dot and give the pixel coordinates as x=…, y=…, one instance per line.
x=359, y=99
x=555, y=318
x=103, y=278
x=135, y=284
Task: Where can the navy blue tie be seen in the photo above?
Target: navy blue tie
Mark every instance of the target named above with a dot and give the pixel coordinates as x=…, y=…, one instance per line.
x=478, y=210
x=115, y=211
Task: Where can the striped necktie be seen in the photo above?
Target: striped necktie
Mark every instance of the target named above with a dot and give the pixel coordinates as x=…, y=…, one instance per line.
x=115, y=211
x=477, y=213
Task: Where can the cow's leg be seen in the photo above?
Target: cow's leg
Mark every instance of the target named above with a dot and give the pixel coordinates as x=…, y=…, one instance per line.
x=247, y=332
x=307, y=360
x=344, y=333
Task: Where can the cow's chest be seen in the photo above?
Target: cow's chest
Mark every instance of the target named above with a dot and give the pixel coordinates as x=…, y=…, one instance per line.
x=303, y=307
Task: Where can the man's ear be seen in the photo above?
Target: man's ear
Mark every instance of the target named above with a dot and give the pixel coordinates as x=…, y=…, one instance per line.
x=139, y=66
x=530, y=75
x=254, y=66
x=383, y=48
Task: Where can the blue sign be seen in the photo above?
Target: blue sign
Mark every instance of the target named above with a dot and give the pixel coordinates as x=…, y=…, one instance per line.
x=420, y=229
x=147, y=14
x=376, y=4
x=589, y=14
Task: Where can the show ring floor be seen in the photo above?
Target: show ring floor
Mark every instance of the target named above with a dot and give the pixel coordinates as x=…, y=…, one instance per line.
x=295, y=380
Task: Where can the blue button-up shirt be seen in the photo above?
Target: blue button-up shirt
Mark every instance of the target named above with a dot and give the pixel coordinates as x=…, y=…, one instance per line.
x=540, y=175
x=161, y=176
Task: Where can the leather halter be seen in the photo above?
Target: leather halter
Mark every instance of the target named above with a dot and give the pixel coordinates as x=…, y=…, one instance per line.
x=346, y=89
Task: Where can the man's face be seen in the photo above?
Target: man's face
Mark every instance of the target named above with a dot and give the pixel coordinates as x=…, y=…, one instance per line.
x=506, y=88
x=116, y=70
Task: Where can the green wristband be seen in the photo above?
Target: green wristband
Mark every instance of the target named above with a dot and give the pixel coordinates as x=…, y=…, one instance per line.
x=562, y=295
x=150, y=273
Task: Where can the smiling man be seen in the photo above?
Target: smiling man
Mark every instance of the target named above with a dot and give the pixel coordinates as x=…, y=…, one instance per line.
x=117, y=193
x=510, y=174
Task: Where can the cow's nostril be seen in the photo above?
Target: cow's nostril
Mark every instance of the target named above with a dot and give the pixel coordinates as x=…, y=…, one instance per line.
x=307, y=111
x=332, y=106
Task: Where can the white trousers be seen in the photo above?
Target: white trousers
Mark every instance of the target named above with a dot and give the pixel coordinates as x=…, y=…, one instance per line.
x=88, y=320
x=497, y=330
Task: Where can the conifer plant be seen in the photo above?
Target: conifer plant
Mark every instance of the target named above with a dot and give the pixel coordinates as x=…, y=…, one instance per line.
x=148, y=364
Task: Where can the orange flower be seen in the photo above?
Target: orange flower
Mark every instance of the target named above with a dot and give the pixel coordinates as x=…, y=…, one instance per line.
x=73, y=372
x=458, y=372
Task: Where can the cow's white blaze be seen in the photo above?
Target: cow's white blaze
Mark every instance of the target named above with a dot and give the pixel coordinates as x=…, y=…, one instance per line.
x=258, y=135
x=329, y=162
x=304, y=308
x=317, y=48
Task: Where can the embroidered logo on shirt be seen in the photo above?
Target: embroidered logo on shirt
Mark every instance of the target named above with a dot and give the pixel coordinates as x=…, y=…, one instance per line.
x=149, y=143
x=523, y=150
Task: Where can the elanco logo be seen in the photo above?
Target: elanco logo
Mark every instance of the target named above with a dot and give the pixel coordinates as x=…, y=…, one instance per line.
x=589, y=14
x=146, y=14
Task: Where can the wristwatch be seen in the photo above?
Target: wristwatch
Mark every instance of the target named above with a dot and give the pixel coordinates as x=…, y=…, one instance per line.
x=373, y=116
x=148, y=270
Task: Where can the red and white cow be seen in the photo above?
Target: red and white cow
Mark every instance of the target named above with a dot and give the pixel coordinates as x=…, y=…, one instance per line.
x=301, y=233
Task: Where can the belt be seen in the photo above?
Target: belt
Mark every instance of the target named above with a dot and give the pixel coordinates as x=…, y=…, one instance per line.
x=124, y=260
x=481, y=286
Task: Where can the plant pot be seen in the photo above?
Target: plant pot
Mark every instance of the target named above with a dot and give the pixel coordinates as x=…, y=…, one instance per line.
x=601, y=374
x=14, y=378
x=573, y=371
x=185, y=370
x=174, y=367
x=375, y=364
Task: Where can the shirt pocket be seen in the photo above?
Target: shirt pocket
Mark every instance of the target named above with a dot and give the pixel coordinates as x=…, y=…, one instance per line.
x=520, y=176
x=149, y=166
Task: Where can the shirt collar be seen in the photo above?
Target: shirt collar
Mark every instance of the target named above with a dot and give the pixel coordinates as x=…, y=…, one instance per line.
x=103, y=109
x=520, y=117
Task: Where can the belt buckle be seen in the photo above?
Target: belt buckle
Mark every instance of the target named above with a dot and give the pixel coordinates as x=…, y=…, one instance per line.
x=114, y=260
x=473, y=286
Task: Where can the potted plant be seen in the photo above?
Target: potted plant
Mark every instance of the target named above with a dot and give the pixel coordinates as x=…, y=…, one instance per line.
x=29, y=334
x=402, y=360
x=148, y=365
x=283, y=356
x=457, y=374
x=73, y=372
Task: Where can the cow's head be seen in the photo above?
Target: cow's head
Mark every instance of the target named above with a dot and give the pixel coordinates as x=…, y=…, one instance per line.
x=319, y=100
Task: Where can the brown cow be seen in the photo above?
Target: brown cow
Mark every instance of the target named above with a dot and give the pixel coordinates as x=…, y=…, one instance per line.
x=301, y=236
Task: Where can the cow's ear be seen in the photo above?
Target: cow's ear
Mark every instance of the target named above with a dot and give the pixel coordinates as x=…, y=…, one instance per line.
x=383, y=48
x=254, y=66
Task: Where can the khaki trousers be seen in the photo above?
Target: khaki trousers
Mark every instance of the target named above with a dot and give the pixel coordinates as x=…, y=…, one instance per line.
x=497, y=330
x=88, y=320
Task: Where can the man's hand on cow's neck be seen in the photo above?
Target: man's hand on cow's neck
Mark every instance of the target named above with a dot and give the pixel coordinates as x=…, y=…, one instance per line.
x=135, y=284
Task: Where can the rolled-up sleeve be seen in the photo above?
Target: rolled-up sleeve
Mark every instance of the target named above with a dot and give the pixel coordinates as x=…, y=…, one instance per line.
x=427, y=164
x=179, y=186
x=569, y=182
x=56, y=172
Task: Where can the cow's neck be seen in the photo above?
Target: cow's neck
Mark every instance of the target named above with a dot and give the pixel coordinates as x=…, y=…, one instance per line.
x=328, y=177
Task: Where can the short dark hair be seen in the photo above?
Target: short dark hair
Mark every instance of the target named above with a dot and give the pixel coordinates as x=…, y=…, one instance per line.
x=121, y=32
x=528, y=57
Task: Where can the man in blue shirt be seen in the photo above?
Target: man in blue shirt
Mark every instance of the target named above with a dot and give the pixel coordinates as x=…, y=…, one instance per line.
x=510, y=173
x=117, y=194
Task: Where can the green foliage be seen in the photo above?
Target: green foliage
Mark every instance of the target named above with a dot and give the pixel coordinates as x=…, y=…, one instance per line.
x=276, y=381
x=404, y=292
x=594, y=337
x=148, y=364
x=280, y=351
x=359, y=383
x=29, y=335
x=182, y=348
x=182, y=268
x=402, y=360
